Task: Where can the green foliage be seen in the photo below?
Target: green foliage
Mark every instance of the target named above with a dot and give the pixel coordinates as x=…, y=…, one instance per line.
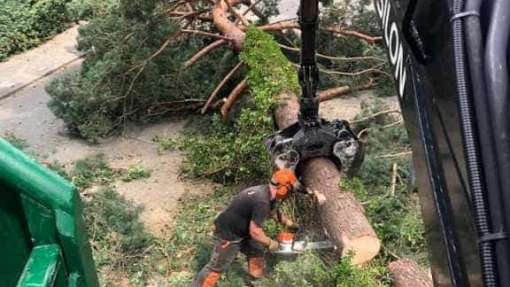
x=95, y=170
x=17, y=142
x=87, y=9
x=92, y=170
x=307, y=270
x=270, y=73
x=228, y=153
x=344, y=274
x=25, y=24
x=118, y=237
x=131, y=72
x=235, y=153
x=135, y=172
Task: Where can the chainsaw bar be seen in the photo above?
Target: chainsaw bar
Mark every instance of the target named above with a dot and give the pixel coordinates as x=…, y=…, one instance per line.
x=298, y=247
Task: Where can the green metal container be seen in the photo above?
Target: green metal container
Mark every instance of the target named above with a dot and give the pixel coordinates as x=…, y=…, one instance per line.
x=43, y=240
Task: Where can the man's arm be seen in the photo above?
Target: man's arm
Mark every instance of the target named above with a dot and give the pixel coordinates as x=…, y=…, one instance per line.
x=258, y=234
x=282, y=218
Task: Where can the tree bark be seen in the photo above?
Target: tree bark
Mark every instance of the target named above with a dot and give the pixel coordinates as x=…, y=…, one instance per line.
x=228, y=28
x=332, y=93
x=341, y=215
x=407, y=273
x=232, y=98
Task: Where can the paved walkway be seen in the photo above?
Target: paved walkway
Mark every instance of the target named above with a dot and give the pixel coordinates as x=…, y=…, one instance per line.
x=24, y=69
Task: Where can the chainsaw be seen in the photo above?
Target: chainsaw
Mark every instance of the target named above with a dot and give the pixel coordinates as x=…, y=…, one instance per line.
x=290, y=245
x=312, y=136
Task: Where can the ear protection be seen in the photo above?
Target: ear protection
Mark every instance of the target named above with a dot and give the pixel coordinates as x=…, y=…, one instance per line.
x=282, y=192
x=283, y=179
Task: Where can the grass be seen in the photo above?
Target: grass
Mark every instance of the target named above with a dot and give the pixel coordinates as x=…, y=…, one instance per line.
x=135, y=172
x=95, y=170
x=116, y=232
x=16, y=141
x=92, y=170
x=122, y=248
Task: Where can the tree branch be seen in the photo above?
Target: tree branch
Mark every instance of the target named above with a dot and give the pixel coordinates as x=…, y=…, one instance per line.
x=375, y=115
x=232, y=98
x=225, y=26
x=204, y=33
x=240, y=18
x=219, y=86
x=193, y=15
x=357, y=73
x=252, y=7
x=203, y=52
x=343, y=90
x=332, y=58
x=293, y=24
x=352, y=33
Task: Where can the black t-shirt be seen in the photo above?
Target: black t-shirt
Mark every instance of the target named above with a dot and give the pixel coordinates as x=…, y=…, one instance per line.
x=252, y=204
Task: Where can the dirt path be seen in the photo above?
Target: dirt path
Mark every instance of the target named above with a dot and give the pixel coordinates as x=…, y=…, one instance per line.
x=28, y=67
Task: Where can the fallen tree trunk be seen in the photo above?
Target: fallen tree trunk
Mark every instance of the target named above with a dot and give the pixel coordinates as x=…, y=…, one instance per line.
x=407, y=273
x=341, y=215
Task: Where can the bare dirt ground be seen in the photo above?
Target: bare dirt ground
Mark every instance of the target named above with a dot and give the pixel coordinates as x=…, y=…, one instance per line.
x=25, y=114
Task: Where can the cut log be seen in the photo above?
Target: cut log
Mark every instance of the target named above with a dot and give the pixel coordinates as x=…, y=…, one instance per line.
x=341, y=215
x=407, y=273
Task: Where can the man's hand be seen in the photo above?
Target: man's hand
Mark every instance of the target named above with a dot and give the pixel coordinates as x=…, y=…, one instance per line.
x=273, y=245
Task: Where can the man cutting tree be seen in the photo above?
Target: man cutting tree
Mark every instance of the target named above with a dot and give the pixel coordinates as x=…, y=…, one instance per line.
x=239, y=227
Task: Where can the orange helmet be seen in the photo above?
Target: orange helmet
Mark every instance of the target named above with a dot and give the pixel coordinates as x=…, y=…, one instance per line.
x=284, y=180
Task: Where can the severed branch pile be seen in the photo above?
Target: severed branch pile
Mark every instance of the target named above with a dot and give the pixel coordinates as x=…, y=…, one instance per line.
x=229, y=25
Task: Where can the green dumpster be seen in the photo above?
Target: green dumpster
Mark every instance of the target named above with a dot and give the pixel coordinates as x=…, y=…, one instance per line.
x=43, y=241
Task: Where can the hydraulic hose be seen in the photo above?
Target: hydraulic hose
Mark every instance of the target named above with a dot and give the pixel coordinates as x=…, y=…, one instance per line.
x=475, y=52
x=496, y=77
x=471, y=151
